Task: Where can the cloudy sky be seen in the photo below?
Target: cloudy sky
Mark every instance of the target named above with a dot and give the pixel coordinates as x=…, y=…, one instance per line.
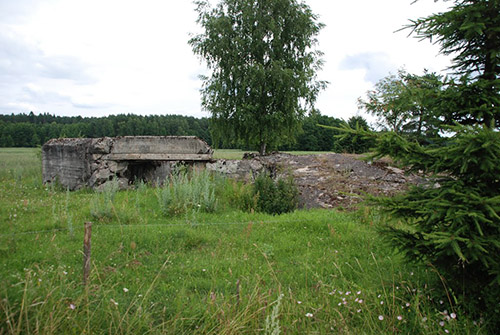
x=101, y=57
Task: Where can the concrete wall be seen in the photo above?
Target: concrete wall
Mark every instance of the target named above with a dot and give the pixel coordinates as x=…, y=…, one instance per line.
x=81, y=162
x=65, y=161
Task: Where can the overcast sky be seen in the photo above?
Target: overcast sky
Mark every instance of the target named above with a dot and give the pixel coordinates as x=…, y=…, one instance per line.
x=101, y=57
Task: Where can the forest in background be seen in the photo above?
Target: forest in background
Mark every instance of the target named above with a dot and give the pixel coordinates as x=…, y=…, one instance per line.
x=31, y=130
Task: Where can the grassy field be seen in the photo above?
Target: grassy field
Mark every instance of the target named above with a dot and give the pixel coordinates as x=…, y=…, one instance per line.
x=223, y=272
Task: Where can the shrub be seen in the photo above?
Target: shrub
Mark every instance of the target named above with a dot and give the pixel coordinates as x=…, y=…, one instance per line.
x=275, y=196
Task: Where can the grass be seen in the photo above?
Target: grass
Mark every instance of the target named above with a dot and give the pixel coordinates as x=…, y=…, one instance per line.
x=218, y=272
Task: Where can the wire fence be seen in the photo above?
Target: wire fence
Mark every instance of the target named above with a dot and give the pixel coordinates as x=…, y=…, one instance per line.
x=152, y=225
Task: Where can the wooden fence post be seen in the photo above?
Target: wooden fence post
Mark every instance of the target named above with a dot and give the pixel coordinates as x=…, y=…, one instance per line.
x=86, y=251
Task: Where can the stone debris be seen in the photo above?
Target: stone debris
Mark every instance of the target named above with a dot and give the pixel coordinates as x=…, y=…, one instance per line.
x=326, y=180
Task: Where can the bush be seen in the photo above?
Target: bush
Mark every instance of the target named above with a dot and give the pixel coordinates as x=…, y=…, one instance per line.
x=275, y=196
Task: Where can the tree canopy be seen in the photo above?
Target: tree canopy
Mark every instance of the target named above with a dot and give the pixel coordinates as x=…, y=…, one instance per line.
x=263, y=66
x=470, y=33
x=407, y=104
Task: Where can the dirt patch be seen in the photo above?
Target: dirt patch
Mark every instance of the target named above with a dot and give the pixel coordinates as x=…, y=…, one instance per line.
x=337, y=180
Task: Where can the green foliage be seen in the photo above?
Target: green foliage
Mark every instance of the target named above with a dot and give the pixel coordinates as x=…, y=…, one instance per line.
x=351, y=142
x=46, y=127
x=188, y=192
x=314, y=138
x=407, y=104
x=30, y=130
x=352, y=136
x=216, y=273
x=263, y=66
x=453, y=223
x=275, y=196
x=102, y=204
x=469, y=33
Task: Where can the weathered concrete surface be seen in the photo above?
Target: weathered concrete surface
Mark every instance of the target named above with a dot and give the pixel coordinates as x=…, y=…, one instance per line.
x=65, y=161
x=82, y=162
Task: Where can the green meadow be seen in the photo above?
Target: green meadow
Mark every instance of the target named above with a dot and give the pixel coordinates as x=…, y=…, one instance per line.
x=160, y=265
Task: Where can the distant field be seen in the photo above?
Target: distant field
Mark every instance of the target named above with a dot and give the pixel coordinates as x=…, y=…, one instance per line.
x=225, y=272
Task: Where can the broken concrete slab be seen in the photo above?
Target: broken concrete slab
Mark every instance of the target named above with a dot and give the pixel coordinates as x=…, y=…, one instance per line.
x=75, y=163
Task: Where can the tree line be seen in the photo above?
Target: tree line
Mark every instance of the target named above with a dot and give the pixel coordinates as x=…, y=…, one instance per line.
x=32, y=130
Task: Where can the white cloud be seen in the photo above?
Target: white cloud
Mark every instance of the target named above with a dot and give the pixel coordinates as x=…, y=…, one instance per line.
x=99, y=57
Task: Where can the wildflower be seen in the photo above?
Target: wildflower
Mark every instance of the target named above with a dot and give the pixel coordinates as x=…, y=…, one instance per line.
x=204, y=270
x=441, y=302
x=359, y=311
x=358, y=293
x=65, y=272
x=125, y=289
x=378, y=296
x=360, y=301
x=407, y=304
x=299, y=302
x=348, y=292
x=113, y=301
x=309, y=315
x=453, y=315
x=382, y=302
x=446, y=331
x=400, y=317
x=441, y=323
x=424, y=319
x=72, y=306
x=381, y=317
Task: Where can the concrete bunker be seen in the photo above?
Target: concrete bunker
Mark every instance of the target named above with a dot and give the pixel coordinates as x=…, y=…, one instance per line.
x=75, y=163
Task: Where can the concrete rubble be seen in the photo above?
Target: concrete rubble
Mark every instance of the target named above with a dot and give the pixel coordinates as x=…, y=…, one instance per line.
x=327, y=180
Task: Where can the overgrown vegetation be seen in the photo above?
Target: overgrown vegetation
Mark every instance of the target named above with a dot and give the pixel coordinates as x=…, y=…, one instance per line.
x=275, y=196
x=204, y=273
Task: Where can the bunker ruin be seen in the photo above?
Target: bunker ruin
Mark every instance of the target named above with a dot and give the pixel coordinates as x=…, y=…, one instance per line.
x=76, y=163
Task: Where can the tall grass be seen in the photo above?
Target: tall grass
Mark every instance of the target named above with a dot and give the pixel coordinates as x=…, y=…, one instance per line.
x=188, y=192
x=222, y=272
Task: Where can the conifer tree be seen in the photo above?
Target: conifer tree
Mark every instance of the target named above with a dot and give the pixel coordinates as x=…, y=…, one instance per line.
x=453, y=222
